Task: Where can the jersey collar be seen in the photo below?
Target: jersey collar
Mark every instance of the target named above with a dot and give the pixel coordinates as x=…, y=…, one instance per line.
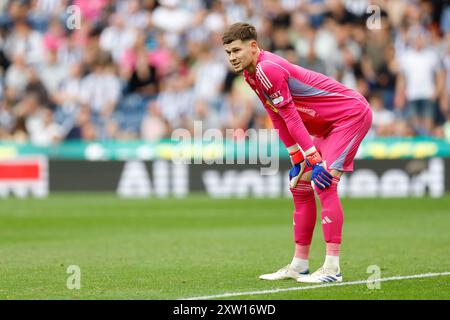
x=260, y=57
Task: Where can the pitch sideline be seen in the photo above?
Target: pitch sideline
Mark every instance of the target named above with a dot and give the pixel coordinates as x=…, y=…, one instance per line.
x=236, y=294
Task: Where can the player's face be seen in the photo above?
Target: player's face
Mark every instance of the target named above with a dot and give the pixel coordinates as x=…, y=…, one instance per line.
x=240, y=54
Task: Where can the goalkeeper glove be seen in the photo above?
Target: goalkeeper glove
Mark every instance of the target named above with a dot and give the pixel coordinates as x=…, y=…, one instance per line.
x=320, y=176
x=298, y=165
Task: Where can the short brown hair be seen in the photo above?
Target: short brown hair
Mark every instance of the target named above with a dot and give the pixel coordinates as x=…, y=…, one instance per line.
x=239, y=31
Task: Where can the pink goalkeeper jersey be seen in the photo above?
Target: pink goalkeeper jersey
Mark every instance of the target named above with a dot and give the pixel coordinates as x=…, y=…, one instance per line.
x=302, y=102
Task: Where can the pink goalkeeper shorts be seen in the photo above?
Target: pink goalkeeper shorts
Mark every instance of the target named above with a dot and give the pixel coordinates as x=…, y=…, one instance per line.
x=339, y=147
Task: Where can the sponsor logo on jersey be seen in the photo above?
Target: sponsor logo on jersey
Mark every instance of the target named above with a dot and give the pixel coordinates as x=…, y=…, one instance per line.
x=278, y=100
x=308, y=111
x=275, y=95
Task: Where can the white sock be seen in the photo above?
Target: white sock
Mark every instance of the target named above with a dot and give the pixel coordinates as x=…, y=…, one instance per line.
x=332, y=263
x=299, y=265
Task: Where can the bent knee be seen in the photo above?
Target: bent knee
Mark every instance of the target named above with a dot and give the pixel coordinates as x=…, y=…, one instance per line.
x=336, y=173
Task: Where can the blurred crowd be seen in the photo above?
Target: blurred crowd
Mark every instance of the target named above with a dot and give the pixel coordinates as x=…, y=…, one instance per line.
x=137, y=69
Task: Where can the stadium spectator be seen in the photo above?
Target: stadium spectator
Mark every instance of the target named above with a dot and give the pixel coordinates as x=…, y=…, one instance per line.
x=137, y=69
x=236, y=111
x=25, y=41
x=209, y=75
x=52, y=72
x=54, y=37
x=135, y=16
x=84, y=128
x=42, y=12
x=7, y=120
x=101, y=90
x=117, y=37
x=174, y=19
x=383, y=119
x=91, y=10
x=16, y=78
x=67, y=97
x=208, y=116
x=36, y=86
x=419, y=83
x=175, y=101
x=42, y=128
x=153, y=127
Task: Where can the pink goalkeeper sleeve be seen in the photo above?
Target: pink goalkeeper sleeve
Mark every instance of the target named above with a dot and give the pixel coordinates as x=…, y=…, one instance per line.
x=273, y=80
x=283, y=132
x=296, y=126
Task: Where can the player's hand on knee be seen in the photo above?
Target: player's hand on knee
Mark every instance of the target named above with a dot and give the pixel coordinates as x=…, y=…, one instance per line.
x=320, y=175
x=298, y=165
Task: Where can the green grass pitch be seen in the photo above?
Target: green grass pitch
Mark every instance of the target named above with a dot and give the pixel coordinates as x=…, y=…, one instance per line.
x=182, y=248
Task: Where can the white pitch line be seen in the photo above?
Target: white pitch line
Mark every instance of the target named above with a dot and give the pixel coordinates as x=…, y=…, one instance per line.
x=236, y=294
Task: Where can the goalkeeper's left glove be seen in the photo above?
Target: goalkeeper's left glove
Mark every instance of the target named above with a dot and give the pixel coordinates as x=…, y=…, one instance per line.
x=320, y=176
x=298, y=165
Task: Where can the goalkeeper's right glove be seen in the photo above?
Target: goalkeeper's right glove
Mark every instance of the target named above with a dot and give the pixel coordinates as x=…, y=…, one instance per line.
x=298, y=165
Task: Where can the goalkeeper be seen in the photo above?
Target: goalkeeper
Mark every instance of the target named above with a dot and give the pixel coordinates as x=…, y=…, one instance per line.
x=322, y=123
